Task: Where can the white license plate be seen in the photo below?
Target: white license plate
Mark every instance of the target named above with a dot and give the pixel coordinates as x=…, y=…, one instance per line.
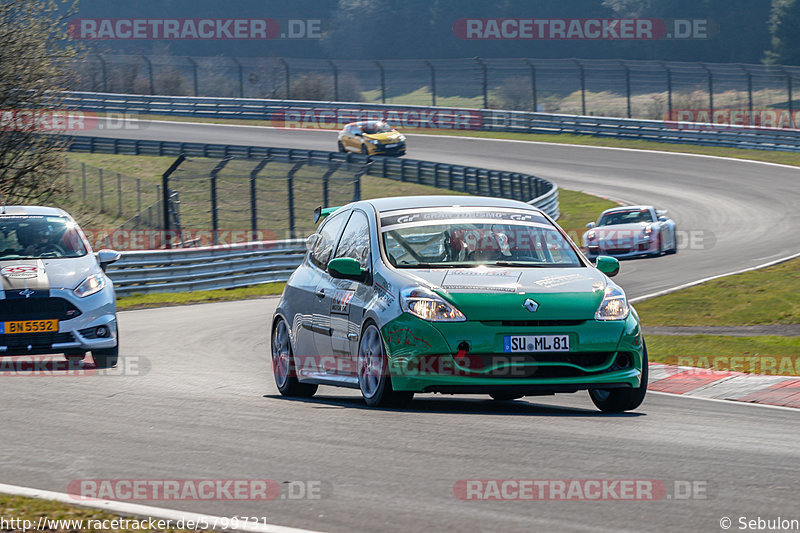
x=535, y=343
x=391, y=145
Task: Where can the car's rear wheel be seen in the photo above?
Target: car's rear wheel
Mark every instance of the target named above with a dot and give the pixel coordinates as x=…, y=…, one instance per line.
x=364, y=149
x=674, y=249
x=505, y=396
x=108, y=357
x=283, y=367
x=619, y=400
x=341, y=147
x=373, y=372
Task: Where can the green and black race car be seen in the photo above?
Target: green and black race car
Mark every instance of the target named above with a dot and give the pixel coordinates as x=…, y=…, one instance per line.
x=455, y=294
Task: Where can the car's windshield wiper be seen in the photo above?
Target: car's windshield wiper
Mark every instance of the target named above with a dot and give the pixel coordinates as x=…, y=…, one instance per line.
x=435, y=265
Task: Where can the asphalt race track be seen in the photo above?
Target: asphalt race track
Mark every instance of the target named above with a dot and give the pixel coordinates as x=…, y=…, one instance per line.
x=197, y=398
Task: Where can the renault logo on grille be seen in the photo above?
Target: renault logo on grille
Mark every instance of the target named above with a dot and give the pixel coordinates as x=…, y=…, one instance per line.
x=27, y=293
x=530, y=305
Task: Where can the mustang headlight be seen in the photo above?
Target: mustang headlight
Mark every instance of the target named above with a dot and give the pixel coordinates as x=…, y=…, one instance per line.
x=91, y=285
x=614, y=305
x=428, y=305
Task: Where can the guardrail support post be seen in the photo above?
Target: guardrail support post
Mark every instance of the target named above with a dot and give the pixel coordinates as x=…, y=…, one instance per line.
x=433, y=82
x=534, y=101
x=164, y=191
x=335, y=80
x=253, y=196
x=286, y=73
x=383, y=82
x=290, y=196
x=194, y=74
x=485, y=82
x=583, y=85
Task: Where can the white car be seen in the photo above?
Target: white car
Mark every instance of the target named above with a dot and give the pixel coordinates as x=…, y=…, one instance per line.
x=631, y=231
x=56, y=297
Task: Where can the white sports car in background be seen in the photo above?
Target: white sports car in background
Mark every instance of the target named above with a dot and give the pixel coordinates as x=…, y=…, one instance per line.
x=631, y=231
x=56, y=297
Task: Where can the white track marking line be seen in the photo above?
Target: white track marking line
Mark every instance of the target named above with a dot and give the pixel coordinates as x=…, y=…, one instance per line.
x=133, y=509
x=710, y=278
x=729, y=402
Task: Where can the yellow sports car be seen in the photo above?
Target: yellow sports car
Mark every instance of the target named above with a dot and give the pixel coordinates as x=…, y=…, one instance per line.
x=372, y=137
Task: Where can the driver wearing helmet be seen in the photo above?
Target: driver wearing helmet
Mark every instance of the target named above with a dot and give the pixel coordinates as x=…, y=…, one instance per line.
x=35, y=238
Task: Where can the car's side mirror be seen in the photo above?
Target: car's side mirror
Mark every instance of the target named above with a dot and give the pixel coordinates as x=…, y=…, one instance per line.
x=357, y=134
x=590, y=225
x=105, y=257
x=346, y=268
x=662, y=218
x=608, y=265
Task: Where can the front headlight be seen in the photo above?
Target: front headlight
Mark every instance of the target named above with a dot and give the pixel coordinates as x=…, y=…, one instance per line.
x=402, y=138
x=91, y=285
x=614, y=305
x=375, y=141
x=647, y=231
x=428, y=305
x=590, y=236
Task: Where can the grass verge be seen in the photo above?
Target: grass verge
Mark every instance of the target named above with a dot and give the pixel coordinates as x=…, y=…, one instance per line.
x=768, y=355
x=767, y=296
x=166, y=299
x=82, y=519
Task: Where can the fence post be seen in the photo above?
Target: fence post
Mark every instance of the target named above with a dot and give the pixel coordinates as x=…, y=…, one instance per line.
x=105, y=74
x=383, y=83
x=749, y=91
x=485, y=82
x=290, y=195
x=669, y=88
x=789, y=91
x=164, y=191
x=286, y=73
x=119, y=195
x=583, y=85
x=533, y=85
x=433, y=82
x=102, y=196
x=627, y=85
x=83, y=179
x=194, y=74
x=253, y=197
x=326, y=183
x=710, y=92
x=214, y=204
x=241, y=78
x=150, y=73
x=335, y=80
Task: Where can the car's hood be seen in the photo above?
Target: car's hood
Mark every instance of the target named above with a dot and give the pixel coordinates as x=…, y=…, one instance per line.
x=46, y=274
x=383, y=137
x=499, y=294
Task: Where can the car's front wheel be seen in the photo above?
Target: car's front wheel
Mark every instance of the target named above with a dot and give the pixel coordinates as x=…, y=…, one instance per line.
x=283, y=367
x=341, y=147
x=619, y=400
x=373, y=372
x=364, y=149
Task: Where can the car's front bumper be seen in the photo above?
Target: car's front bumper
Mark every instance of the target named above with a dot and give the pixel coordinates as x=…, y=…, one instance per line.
x=468, y=357
x=75, y=335
x=380, y=149
x=627, y=251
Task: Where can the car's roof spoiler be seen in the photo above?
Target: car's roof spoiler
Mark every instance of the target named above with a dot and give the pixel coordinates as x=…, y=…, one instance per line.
x=321, y=212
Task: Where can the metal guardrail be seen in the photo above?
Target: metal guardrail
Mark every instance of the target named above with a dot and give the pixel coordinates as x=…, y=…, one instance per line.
x=337, y=113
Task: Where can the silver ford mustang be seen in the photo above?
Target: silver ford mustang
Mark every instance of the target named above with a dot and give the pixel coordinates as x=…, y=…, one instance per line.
x=56, y=297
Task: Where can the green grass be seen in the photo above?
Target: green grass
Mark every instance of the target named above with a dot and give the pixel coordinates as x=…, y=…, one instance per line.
x=770, y=355
x=767, y=296
x=578, y=208
x=17, y=507
x=165, y=299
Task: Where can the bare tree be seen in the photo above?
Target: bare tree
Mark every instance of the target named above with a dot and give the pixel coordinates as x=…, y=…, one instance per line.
x=35, y=63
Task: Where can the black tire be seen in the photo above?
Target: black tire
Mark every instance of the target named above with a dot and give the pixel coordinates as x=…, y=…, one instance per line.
x=374, y=381
x=283, y=367
x=674, y=249
x=364, y=149
x=108, y=357
x=619, y=400
x=341, y=147
x=505, y=396
x=659, y=251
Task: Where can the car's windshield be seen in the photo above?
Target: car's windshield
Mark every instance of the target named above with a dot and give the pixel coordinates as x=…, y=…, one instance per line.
x=625, y=217
x=371, y=128
x=39, y=237
x=471, y=236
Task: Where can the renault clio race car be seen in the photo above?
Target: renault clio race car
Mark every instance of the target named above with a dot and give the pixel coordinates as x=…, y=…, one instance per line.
x=452, y=294
x=632, y=231
x=372, y=138
x=56, y=297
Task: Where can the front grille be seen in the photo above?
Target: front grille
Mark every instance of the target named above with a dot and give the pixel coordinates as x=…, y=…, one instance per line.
x=531, y=323
x=37, y=309
x=36, y=341
x=511, y=364
x=617, y=251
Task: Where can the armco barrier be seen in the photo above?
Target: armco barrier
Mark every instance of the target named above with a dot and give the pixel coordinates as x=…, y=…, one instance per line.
x=218, y=267
x=333, y=114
